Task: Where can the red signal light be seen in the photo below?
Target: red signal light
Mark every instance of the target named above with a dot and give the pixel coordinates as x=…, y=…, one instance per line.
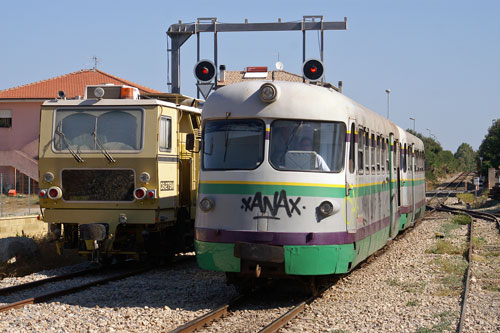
x=204, y=71
x=53, y=193
x=313, y=70
x=140, y=193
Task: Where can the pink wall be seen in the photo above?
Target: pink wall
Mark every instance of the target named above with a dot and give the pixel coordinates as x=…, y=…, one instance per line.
x=25, y=125
x=19, y=143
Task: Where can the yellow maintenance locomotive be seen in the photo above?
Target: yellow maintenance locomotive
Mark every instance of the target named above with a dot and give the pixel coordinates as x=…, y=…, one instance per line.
x=115, y=177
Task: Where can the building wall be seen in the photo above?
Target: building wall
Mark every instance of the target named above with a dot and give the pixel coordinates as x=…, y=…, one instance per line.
x=19, y=143
x=22, y=225
x=25, y=125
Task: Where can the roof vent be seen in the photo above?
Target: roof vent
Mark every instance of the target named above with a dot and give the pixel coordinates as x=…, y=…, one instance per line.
x=256, y=72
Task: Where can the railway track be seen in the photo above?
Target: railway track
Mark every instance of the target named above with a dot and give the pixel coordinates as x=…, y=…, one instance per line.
x=127, y=272
x=37, y=283
x=455, y=183
x=281, y=321
x=66, y=291
x=472, y=214
x=240, y=301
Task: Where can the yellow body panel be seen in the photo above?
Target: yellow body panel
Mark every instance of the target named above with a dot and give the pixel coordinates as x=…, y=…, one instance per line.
x=173, y=173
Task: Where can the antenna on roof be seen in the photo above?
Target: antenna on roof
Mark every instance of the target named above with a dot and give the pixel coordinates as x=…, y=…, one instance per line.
x=96, y=61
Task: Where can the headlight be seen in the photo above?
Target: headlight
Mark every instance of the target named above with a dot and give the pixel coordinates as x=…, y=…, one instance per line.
x=326, y=208
x=268, y=93
x=206, y=205
x=144, y=177
x=99, y=92
x=48, y=177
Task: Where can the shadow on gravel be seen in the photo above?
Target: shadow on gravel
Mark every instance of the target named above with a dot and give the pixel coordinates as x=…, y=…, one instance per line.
x=182, y=288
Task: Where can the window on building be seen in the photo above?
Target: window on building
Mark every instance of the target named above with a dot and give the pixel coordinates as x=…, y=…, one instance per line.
x=6, y=118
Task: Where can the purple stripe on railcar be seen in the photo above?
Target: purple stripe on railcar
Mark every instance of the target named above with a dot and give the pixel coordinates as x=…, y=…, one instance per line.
x=289, y=238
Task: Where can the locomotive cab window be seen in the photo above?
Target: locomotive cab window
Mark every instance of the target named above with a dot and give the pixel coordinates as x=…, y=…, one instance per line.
x=165, y=134
x=233, y=144
x=84, y=130
x=307, y=145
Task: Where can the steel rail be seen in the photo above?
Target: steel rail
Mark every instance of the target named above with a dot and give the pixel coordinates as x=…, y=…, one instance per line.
x=32, y=284
x=207, y=318
x=459, y=179
x=292, y=313
x=467, y=281
x=475, y=214
x=67, y=291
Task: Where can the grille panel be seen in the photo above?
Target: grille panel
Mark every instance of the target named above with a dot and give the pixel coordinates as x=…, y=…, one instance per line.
x=98, y=185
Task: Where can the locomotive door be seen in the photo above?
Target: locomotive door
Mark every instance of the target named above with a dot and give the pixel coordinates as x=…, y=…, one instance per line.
x=351, y=193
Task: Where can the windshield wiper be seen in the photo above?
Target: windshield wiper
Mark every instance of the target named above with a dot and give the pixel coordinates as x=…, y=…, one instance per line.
x=294, y=131
x=101, y=147
x=66, y=143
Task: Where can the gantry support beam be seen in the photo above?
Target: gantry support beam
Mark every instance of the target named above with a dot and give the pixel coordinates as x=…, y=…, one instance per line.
x=179, y=33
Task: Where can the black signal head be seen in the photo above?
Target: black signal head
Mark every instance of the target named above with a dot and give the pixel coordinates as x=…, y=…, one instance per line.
x=313, y=70
x=204, y=70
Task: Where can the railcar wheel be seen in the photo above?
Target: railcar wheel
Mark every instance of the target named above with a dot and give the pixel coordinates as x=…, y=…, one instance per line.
x=243, y=285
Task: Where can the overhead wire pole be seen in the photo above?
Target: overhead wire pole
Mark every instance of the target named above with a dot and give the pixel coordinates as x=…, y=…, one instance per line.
x=179, y=33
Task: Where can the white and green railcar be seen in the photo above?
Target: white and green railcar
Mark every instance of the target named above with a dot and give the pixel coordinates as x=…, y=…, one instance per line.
x=298, y=179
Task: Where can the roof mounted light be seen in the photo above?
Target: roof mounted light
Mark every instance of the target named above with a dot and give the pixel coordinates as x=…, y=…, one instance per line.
x=268, y=92
x=99, y=92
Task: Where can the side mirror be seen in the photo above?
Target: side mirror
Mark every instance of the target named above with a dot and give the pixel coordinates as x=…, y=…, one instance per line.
x=190, y=142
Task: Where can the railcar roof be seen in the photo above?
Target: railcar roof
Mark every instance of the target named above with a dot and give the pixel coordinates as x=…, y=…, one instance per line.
x=116, y=102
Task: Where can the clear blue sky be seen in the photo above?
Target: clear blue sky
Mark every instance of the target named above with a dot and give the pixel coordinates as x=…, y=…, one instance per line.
x=440, y=58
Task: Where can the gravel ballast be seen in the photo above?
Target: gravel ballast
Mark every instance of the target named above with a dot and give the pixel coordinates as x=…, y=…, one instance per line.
x=409, y=287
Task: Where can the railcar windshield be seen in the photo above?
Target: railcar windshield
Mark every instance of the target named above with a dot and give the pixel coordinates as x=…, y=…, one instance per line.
x=307, y=145
x=233, y=144
x=87, y=130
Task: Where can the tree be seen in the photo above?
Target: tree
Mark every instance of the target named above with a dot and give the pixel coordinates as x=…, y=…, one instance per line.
x=466, y=157
x=489, y=149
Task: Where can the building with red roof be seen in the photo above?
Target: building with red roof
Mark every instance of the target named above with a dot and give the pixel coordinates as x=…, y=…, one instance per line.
x=20, y=120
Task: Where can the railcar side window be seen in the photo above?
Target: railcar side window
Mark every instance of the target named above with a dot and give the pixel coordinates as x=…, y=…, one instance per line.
x=372, y=152
x=307, y=145
x=89, y=130
x=233, y=144
x=352, y=149
x=405, y=157
x=165, y=136
x=367, y=151
x=378, y=154
x=361, y=142
x=387, y=152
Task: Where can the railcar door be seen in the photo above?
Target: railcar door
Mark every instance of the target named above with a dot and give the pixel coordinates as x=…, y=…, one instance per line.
x=411, y=154
x=351, y=192
x=394, y=183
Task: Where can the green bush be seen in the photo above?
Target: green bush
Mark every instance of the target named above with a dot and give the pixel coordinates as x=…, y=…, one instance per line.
x=462, y=219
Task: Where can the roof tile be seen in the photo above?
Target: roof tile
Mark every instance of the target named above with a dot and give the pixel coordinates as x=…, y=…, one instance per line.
x=73, y=85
